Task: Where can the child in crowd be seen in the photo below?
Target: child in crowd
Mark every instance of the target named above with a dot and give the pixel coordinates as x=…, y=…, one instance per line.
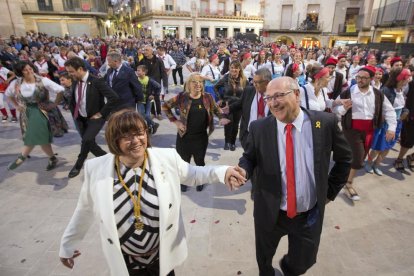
x=150, y=88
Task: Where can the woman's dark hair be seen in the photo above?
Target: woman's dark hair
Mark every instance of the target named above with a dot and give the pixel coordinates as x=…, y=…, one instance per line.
x=76, y=63
x=392, y=79
x=289, y=71
x=20, y=65
x=124, y=122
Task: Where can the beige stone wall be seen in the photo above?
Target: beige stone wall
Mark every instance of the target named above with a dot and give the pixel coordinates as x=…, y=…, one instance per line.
x=11, y=18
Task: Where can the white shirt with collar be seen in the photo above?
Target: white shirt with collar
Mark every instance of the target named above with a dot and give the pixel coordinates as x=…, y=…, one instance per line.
x=111, y=77
x=82, y=107
x=169, y=62
x=304, y=162
x=363, y=107
x=254, y=108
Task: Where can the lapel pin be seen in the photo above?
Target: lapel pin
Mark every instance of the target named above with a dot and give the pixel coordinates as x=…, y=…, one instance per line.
x=318, y=124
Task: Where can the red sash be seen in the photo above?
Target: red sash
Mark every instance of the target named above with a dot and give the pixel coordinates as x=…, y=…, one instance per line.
x=366, y=126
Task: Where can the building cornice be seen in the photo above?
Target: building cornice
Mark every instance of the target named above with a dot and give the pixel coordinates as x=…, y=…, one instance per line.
x=63, y=13
x=187, y=16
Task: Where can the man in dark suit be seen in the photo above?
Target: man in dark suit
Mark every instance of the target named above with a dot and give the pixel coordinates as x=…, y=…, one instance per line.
x=88, y=108
x=251, y=103
x=123, y=81
x=290, y=152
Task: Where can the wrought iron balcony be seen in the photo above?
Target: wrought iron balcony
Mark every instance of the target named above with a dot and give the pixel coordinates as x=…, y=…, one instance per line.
x=400, y=13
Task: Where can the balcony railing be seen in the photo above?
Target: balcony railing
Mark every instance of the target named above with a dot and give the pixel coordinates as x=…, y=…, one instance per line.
x=78, y=6
x=396, y=14
x=348, y=29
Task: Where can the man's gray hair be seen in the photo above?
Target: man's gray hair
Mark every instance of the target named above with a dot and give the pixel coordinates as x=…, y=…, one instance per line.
x=115, y=56
x=264, y=73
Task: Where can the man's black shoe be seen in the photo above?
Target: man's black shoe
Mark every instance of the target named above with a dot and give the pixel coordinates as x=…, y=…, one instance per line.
x=74, y=172
x=200, y=188
x=232, y=147
x=155, y=127
x=184, y=188
x=226, y=146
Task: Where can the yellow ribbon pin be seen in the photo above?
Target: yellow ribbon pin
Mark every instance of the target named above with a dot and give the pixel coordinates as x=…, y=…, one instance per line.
x=318, y=124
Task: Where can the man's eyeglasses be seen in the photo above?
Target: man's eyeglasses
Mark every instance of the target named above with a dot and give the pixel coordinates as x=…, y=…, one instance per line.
x=277, y=96
x=362, y=78
x=259, y=81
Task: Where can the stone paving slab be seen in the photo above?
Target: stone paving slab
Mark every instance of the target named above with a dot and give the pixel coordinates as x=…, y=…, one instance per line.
x=371, y=237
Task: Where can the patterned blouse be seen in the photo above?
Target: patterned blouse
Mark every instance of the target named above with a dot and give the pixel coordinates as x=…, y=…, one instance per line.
x=137, y=242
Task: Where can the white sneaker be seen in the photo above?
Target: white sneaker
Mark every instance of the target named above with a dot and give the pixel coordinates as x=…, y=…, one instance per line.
x=4, y=119
x=368, y=168
x=377, y=171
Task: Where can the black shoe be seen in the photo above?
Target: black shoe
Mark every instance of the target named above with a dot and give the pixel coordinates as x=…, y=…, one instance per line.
x=200, y=188
x=74, y=172
x=52, y=163
x=155, y=127
x=183, y=188
x=232, y=147
x=226, y=146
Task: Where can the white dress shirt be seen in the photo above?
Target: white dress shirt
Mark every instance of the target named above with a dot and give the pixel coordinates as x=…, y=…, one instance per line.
x=28, y=89
x=318, y=103
x=208, y=71
x=82, y=107
x=169, y=62
x=304, y=167
x=254, y=108
x=363, y=107
x=249, y=71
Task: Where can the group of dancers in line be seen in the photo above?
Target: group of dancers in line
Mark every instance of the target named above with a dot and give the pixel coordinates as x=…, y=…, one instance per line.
x=226, y=74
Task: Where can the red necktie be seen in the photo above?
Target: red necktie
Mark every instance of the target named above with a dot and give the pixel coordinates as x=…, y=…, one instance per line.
x=260, y=108
x=78, y=102
x=290, y=173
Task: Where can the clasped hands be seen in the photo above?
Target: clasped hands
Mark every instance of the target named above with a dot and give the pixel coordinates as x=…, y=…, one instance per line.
x=235, y=177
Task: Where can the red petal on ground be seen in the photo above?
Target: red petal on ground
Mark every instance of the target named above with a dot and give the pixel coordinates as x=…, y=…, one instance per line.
x=337, y=227
x=239, y=272
x=217, y=221
x=193, y=221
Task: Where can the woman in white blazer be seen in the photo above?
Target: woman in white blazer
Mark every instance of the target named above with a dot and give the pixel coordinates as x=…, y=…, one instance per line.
x=141, y=227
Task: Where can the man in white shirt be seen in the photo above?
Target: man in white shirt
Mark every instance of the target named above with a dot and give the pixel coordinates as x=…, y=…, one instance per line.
x=361, y=115
x=169, y=65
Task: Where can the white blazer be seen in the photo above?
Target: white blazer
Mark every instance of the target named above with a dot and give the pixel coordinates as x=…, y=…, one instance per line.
x=96, y=202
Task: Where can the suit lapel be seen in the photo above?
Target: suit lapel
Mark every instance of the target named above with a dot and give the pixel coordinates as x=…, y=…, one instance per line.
x=274, y=149
x=317, y=130
x=89, y=96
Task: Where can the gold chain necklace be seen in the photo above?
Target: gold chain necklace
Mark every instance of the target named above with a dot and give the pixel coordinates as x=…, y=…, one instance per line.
x=139, y=225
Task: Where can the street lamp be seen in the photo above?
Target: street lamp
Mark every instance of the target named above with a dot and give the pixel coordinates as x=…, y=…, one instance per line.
x=194, y=17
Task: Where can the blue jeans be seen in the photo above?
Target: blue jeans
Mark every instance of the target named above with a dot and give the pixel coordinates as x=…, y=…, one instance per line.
x=145, y=110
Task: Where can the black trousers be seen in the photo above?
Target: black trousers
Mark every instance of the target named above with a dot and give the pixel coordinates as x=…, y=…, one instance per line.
x=151, y=270
x=157, y=105
x=231, y=129
x=193, y=146
x=88, y=129
x=303, y=233
x=180, y=73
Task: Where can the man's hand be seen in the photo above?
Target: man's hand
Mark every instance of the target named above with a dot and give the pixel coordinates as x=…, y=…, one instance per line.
x=234, y=178
x=97, y=116
x=151, y=98
x=390, y=135
x=70, y=262
x=347, y=103
x=224, y=121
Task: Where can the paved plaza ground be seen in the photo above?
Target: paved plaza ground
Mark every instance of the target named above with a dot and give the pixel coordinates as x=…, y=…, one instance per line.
x=372, y=237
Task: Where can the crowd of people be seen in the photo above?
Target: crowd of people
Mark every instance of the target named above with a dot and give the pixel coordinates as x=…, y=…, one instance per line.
x=264, y=88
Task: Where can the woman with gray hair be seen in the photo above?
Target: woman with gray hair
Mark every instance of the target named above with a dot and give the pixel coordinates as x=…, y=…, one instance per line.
x=196, y=115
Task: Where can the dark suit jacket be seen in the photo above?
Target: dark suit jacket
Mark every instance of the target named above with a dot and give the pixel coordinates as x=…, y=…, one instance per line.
x=244, y=104
x=96, y=92
x=262, y=155
x=126, y=85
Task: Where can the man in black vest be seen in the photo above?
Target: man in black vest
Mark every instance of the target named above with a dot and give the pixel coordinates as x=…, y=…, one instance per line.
x=337, y=81
x=362, y=113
